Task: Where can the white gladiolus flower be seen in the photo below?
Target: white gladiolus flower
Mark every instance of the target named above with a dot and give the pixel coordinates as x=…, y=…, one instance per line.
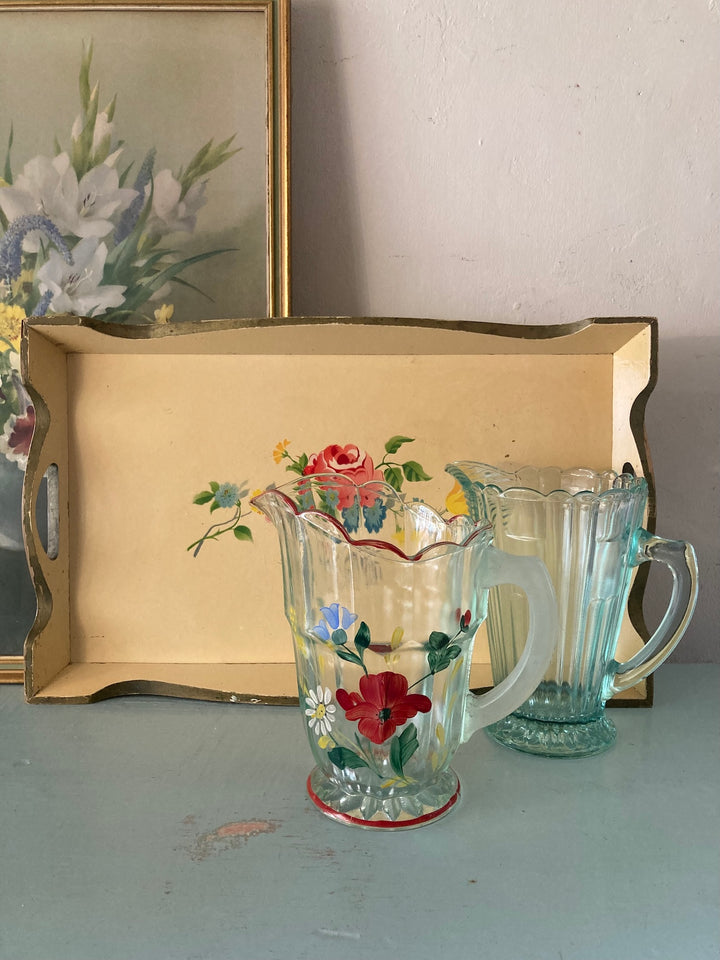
x=170, y=213
x=76, y=288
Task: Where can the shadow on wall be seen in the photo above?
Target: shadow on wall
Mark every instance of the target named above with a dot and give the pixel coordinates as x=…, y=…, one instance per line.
x=682, y=428
x=327, y=258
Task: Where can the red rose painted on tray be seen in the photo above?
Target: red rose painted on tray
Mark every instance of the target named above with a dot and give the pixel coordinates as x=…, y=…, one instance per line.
x=383, y=703
x=350, y=463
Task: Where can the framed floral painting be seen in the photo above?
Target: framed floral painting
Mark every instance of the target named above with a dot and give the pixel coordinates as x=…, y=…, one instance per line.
x=143, y=179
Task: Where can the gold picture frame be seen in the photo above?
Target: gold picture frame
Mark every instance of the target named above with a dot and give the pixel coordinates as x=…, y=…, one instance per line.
x=187, y=105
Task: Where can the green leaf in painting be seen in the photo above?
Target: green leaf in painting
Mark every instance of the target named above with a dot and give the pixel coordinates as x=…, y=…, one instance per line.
x=346, y=759
x=7, y=172
x=214, y=486
x=394, y=443
x=413, y=471
x=214, y=506
x=204, y=497
x=393, y=476
x=243, y=533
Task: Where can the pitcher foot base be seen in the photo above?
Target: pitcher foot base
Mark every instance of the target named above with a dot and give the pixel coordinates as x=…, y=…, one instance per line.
x=392, y=813
x=547, y=739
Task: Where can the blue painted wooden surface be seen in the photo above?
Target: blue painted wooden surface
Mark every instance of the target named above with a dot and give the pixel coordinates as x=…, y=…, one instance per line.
x=151, y=828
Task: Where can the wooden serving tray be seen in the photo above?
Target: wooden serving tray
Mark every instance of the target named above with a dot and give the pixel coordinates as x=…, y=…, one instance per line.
x=138, y=420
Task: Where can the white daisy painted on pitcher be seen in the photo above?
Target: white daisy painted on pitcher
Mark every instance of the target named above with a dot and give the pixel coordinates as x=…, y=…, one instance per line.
x=320, y=711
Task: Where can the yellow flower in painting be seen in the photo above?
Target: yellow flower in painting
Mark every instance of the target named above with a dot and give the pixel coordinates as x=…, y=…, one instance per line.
x=11, y=319
x=164, y=313
x=279, y=451
x=455, y=501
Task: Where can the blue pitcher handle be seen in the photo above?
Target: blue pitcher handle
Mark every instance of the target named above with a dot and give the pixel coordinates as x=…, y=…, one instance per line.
x=680, y=558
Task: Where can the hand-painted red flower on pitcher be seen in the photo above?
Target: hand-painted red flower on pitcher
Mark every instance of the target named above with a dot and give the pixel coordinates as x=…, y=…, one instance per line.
x=348, y=461
x=382, y=705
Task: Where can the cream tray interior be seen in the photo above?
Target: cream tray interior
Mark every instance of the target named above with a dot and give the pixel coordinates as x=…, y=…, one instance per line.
x=134, y=422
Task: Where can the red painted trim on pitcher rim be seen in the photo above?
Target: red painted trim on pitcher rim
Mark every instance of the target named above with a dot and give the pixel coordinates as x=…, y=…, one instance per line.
x=388, y=824
x=480, y=528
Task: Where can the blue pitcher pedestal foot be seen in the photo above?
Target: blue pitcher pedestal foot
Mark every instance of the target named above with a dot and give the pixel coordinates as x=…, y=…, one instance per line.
x=546, y=738
x=435, y=800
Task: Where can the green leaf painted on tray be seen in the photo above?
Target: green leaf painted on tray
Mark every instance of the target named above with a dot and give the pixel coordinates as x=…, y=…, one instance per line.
x=243, y=533
x=393, y=476
x=204, y=497
x=346, y=759
x=214, y=506
x=394, y=443
x=413, y=471
x=214, y=486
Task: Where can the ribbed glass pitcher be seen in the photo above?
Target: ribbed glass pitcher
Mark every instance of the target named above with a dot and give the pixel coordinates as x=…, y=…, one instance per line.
x=384, y=598
x=587, y=528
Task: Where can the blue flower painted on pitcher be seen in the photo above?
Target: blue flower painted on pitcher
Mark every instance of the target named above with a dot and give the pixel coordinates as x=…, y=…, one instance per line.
x=335, y=618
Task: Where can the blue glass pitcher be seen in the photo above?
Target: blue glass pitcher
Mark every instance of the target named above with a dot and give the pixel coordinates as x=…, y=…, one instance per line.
x=587, y=527
x=383, y=598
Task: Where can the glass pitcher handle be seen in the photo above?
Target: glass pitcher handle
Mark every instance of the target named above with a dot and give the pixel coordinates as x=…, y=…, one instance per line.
x=680, y=558
x=530, y=574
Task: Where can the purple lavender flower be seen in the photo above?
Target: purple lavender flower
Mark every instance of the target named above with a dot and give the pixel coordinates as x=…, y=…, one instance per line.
x=12, y=241
x=131, y=215
x=43, y=304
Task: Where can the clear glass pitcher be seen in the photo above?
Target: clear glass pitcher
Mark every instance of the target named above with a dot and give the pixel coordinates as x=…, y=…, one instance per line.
x=384, y=598
x=587, y=528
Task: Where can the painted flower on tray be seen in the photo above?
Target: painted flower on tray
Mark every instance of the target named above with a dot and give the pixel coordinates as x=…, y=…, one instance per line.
x=353, y=467
x=320, y=711
x=349, y=462
x=382, y=705
x=227, y=494
x=222, y=496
